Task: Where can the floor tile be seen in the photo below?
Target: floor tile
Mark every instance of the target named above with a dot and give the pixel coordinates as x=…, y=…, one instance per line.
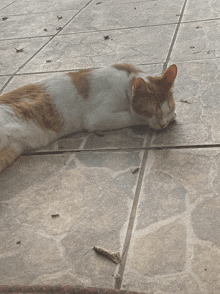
x=176, y=241
x=197, y=41
x=107, y=16
x=11, y=60
x=31, y=6
x=3, y=80
x=5, y=3
x=74, y=51
x=116, y=139
x=64, y=205
x=195, y=11
x=196, y=94
x=22, y=80
x=33, y=25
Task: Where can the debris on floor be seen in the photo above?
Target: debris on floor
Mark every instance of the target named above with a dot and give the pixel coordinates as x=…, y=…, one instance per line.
x=114, y=256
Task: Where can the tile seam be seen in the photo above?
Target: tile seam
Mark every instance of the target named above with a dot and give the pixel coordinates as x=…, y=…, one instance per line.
x=42, y=47
x=128, y=149
x=7, y=5
x=174, y=37
x=74, y=69
x=132, y=218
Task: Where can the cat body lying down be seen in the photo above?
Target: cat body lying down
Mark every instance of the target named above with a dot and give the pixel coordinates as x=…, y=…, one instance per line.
x=114, y=97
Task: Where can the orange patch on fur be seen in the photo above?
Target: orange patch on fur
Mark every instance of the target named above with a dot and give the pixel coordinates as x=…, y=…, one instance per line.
x=148, y=97
x=129, y=68
x=7, y=156
x=32, y=102
x=80, y=81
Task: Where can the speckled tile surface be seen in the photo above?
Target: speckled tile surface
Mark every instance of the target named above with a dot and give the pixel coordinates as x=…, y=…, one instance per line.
x=158, y=208
x=175, y=243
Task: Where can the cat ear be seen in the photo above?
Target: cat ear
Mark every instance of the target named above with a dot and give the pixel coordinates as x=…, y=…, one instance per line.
x=170, y=74
x=139, y=84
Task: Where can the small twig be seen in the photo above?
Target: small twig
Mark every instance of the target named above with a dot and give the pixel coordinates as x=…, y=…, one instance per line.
x=114, y=256
x=185, y=101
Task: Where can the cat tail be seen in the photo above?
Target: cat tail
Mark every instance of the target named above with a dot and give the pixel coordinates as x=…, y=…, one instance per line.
x=7, y=153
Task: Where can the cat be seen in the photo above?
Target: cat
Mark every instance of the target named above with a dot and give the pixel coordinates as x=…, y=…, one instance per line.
x=114, y=97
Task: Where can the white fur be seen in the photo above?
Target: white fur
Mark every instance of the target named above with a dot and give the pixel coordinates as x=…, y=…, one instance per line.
x=107, y=107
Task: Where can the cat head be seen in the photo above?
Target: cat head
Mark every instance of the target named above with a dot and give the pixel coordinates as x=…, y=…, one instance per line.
x=153, y=100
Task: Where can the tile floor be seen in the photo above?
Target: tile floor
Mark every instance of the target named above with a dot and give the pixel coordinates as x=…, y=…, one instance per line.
x=164, y=218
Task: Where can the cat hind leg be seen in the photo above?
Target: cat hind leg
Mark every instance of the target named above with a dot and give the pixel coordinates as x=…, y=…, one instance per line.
x=7, y=153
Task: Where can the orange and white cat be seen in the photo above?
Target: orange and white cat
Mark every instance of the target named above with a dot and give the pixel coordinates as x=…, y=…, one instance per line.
x=114, y=97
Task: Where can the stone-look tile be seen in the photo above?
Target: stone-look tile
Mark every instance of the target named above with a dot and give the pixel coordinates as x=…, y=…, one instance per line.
x=206, y=265
x=28, y=254
x=184, y=284
x=173, y=176
x=33, y=25
x=25, y=6
x=160, y=252
x=196, y=93
x=11, y=60
x=178, y=209
x=165, y=198
x=195, y=11
x=114, y=139
x=27, y=171
x=205, y=220
x=58, y=278
x=3, y=80
x=5, y=3
x=106, y=16
x=197, y=41
x=93, y=208
x=74, y=51
x=22, y=80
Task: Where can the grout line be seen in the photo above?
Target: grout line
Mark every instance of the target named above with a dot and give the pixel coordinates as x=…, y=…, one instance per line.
x=200, y=20
x=129, y=232
x=7, y=5
x=38, y=12
x=91, y=31
x=6, y=84
x=74, y=69
x=44, y=46
x=127, y=149
x=174, y=37
x=24, y=38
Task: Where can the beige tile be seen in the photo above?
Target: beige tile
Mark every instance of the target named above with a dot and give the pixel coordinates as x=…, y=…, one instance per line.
x=91, y=202
x=117, y=15
x=74, y=51
x=11, y=60
x=34, y=25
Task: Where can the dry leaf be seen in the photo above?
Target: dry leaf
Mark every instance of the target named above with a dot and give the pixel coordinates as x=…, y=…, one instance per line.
x=185, y=101
x=55, y=215
x=19, y=50
x=114, y=256
x=135, y=170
